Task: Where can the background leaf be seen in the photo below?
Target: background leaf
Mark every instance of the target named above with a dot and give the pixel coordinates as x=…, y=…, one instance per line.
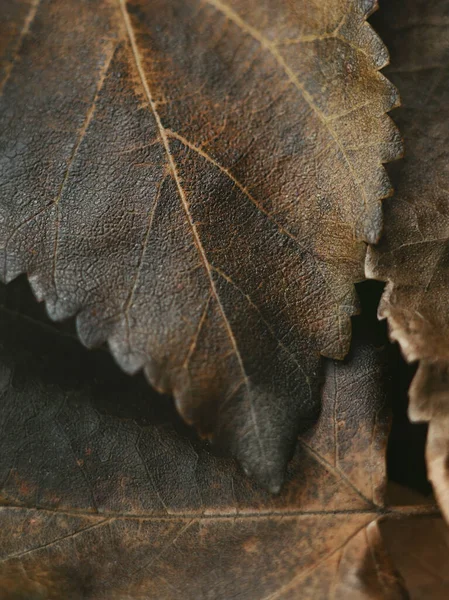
x=108, y=495
x=412, y=255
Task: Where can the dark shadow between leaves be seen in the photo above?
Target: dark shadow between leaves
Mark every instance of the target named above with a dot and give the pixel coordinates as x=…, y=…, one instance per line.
x=70, y=365
x=406, y=444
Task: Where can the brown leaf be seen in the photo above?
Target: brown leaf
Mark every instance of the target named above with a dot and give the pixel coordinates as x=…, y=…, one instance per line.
x=105, y=495
x=419, y=548
x=196, y=181
x=413, y=254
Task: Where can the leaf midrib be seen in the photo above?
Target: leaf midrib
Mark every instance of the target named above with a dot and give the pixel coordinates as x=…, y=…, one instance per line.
x=196, y=237
x=243, y=514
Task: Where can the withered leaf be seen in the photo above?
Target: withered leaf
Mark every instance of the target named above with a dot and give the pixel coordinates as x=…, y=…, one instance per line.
x=413, y=255
x=419, y=548
x=196, y=181
x=103, y=496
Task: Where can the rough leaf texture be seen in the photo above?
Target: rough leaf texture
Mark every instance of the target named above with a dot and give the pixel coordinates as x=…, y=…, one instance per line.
x=196, y=181
x=104, y=496
x=413, y=255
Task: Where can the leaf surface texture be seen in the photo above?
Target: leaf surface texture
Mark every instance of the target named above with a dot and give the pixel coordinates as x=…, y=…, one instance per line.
x=196, y=181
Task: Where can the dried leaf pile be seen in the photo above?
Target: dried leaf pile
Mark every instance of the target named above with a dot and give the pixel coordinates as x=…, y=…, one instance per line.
x=201, y=183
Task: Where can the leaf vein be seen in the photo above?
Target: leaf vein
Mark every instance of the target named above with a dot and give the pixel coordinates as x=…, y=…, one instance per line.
x=75, y=149
x=56, y=541
x=230, y=14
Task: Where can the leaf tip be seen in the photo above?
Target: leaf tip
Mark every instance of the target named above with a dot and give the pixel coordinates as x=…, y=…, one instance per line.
x=269, y=476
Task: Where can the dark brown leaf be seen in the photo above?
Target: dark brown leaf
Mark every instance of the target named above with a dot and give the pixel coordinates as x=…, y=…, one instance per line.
x=413, y=254
x=196, y=181
x=105, y=496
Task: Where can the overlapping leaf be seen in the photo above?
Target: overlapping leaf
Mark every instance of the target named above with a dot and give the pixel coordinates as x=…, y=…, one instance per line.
x=104, y=497
x=413, y=254
x=196, y=181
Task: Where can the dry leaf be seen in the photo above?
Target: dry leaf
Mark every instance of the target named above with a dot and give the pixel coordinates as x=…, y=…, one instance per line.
x=419, y=548
x=413, y=254
x=104, y=496
x=196, y=181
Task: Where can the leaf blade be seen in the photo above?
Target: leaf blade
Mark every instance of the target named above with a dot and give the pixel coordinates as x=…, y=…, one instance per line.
x=178, y=187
